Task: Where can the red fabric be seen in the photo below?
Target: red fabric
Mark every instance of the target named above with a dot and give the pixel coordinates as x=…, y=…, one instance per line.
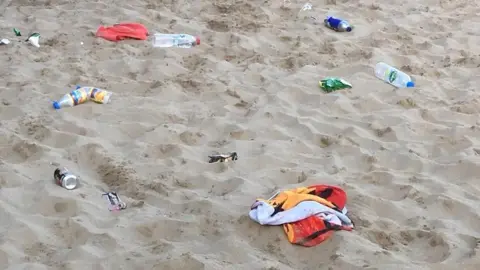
x=304, y=228
x=123, y=31
x=338, y=195
x=314, y=230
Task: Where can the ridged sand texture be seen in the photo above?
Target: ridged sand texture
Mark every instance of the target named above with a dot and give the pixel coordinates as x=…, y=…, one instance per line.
x=408, y=158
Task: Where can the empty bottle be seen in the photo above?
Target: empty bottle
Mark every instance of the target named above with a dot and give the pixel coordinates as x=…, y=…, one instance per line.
x=81, y=95
x=76, y=97
x=99, y=95
x=393, y=76
x=337, y=24
x=175, y=40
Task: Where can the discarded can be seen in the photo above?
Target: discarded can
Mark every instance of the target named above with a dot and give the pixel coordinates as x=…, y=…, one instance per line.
x=115, y=204
x=223, y=157
x=65, y=179
x=338, y=25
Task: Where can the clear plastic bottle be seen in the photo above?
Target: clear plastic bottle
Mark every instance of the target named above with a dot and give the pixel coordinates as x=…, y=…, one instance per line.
x=393, y=76
x=175, y=40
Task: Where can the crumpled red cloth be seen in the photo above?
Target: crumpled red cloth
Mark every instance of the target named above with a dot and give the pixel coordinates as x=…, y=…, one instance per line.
x=123, y=31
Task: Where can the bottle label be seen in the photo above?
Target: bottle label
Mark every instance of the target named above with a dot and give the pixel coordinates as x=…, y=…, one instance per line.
x=78, y=97
x=97, y=95
x=392, y=76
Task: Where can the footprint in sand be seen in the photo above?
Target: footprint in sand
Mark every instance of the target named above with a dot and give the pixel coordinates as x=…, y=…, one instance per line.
x=417, y=245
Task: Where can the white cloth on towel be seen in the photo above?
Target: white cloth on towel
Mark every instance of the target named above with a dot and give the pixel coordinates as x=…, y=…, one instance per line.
x=261, y=212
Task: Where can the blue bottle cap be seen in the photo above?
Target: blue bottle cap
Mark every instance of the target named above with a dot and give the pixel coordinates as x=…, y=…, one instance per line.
x=410, y=84
x=56, y=106
x=349, y=29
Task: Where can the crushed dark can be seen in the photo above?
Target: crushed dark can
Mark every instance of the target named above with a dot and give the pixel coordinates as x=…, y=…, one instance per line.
x=65, y=179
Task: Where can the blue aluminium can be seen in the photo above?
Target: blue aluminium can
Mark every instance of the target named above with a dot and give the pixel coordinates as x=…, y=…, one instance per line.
x=337, y=24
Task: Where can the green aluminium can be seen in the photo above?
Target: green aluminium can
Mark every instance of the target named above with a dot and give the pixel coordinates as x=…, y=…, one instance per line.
x=333, y=84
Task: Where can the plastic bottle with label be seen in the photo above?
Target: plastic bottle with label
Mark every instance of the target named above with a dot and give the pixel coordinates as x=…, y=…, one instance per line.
x=81, y=95
x=393, y=76
x=175, y=40
x=74, y=98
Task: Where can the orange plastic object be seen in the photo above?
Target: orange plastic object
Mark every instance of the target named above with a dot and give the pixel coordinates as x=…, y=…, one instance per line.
x=314, y=230
x=123, y=31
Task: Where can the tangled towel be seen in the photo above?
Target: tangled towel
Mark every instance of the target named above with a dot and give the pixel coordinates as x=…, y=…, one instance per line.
x=309, y=215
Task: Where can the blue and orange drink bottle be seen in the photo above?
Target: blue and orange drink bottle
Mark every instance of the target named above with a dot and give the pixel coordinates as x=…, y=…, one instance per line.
x=76, y=97
x=99, y=95
x=81, y=95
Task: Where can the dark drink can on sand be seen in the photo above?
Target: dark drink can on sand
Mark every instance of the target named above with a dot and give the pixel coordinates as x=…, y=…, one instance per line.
x=65, y=179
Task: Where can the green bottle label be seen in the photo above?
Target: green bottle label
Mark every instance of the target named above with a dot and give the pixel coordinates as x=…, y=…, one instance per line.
x=392, y=76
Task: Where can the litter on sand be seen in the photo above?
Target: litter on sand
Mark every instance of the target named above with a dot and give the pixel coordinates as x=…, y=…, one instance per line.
x=34, y=39
x=115, y=204
x=309, y=215
x=223, y=157
x=123, y=31
x=333, y=84
x=307, y=6
x=81, y=95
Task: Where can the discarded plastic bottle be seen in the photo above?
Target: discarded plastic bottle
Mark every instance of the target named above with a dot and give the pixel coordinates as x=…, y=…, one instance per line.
x=334, y=84
x=76, y=97
x=337, y=24
x=393, y=76
x=99, y=95
x=175, y=40
x=81, y=95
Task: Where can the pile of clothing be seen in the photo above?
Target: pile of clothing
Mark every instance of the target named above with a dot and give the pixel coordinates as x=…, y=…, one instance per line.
x=309, y=215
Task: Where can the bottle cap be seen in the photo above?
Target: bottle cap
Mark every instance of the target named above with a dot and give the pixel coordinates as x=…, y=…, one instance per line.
x=349, y=29
x=56, y=106
x=197, y=39
x=410, y=84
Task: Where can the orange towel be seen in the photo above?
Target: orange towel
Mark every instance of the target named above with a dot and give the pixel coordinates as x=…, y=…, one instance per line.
x=123, y=31
x=316, y=228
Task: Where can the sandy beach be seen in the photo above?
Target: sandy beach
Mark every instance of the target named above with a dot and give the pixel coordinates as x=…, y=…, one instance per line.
x=407, y=158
